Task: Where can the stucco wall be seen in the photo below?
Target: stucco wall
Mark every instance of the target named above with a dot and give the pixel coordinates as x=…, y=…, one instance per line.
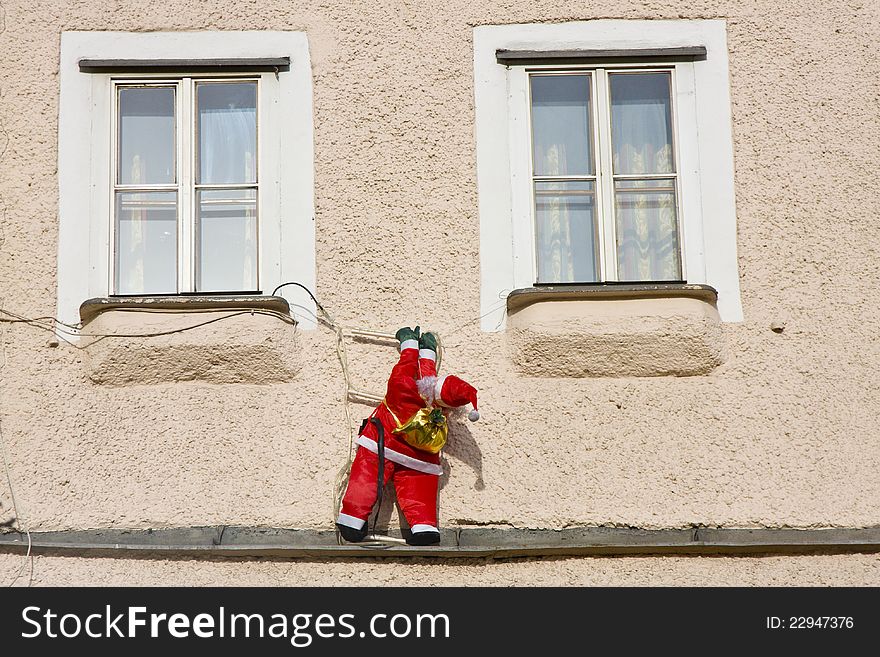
x=783, y=433
x=838, y=570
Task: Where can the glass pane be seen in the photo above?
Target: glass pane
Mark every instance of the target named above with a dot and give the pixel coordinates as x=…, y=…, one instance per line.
x=227, y=127
x=146, y=135
x=146, y=242
x=227, y=240
x=566, y=229
x=647, y=231
x=641, y=123
x=561, y=135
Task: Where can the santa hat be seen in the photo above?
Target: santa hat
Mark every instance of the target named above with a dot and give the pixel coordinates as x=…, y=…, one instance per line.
x=457, y=392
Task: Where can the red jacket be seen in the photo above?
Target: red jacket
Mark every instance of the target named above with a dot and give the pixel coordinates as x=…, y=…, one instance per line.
x=403, y=399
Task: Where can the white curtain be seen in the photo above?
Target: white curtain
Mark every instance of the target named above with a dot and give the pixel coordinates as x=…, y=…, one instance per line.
x=647, y=233
x=227, y=143
x=563, y=210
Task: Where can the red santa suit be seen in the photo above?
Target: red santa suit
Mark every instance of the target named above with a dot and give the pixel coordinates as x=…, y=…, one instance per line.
x=412, y=386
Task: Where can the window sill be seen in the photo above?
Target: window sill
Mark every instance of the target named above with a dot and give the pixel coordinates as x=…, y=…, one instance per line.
x=618, y=330
x=170, y=339
x=91, y=308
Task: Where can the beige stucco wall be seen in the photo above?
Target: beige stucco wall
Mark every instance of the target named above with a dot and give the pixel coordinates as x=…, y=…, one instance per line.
x=839, y=570
x=615, y=337
x=783, y=433
x=255, y=348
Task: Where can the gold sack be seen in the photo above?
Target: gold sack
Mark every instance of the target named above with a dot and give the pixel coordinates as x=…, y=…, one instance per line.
x=426, y=430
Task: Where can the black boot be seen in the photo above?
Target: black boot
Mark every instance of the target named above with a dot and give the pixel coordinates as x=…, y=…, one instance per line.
x=423, y=538
x=351, y=534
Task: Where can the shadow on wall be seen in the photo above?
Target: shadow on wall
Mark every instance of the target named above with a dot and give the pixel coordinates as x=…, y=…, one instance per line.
x=463, y=447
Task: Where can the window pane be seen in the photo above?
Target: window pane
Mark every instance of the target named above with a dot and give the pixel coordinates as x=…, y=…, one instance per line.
x=566, y=229
x=227, y=240
x=641, y=123
x=647, y=232
x=146, y=135
x=227, y=127
x=561, y=136
x=146, y=243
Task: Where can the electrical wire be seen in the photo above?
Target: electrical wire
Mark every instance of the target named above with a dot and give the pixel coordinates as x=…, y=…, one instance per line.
x=308, y=291
x=28, y=558
x=19, y=518
x=63, y=328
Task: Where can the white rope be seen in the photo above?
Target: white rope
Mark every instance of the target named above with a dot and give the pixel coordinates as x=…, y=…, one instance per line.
x=342, y=474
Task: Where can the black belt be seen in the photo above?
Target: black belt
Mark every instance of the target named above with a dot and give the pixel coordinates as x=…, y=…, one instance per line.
x=380, y=482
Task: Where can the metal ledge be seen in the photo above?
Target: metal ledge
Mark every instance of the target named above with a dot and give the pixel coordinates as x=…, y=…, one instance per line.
x=519, y=299
x=213, y=542
x=91, y=308
x=586, y=56
x=241, y=64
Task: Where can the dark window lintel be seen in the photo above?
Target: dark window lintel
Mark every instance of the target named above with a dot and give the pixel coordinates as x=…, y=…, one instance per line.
x=587, y=56
x=242, y=64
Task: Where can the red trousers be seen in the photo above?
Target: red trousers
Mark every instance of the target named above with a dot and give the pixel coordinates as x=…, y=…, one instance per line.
x=416, y=492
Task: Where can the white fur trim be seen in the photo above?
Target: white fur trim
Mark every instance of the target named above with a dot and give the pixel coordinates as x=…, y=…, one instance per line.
x=417, y=529
x=438, y=388
x=426, y=389
x=350, y=521
x=409, y=344
x=430, y=354
x=403, y=459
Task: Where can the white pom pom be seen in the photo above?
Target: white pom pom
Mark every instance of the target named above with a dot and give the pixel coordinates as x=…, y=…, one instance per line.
x=474, y=415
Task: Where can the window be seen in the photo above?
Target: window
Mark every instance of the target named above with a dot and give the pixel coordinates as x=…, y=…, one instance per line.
x=603, y=175
x=185, y=186
x=604, y=155
x=171, y=174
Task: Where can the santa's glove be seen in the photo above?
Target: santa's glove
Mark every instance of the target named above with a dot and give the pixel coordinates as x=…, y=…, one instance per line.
x=410, y=335
x=428, y=341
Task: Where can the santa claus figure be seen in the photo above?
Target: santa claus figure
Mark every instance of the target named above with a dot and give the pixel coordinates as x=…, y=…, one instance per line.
x=403, y=437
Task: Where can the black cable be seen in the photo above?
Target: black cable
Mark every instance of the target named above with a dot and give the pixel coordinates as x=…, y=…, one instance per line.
x=380, y=484
x=308, y=291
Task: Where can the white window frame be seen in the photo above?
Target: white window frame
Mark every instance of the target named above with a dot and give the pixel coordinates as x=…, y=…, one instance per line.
x=286, y=235
x=706, y=208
